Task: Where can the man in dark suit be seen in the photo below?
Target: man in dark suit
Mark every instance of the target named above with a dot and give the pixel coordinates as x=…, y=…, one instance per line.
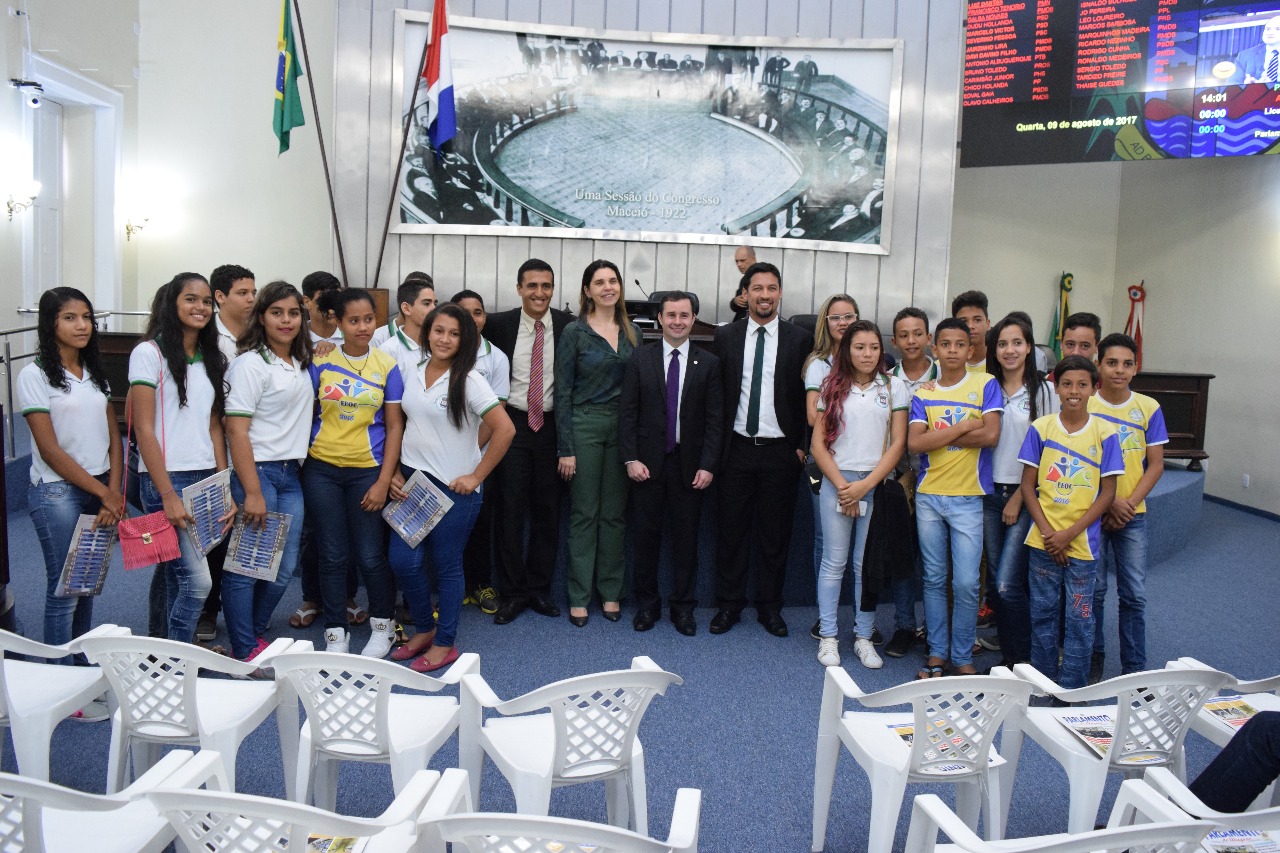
x=761, y=365
x=528, y=485
x=672, y=453
x=1261, y=62
x=806, y=70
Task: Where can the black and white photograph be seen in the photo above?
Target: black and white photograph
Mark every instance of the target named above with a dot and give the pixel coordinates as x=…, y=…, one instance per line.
x=600, y=134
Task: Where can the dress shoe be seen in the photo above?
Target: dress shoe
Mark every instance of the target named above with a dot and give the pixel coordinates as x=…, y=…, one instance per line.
x=508, y=611
x=772, y=622
x=612, y=615
x=545, y=606
x=723, y=621
x=644, y=620
x=683, y=622
x=578, y=621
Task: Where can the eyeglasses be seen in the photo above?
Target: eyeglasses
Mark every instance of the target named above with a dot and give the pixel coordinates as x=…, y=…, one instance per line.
x=842, y=318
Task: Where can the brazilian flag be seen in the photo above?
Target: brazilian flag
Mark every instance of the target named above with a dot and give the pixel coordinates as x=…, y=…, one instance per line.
x=288, y=114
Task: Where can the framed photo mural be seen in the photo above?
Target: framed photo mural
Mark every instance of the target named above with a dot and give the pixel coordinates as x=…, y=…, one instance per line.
x=603, y=134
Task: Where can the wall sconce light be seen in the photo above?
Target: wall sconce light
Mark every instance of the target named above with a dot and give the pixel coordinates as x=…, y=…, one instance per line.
x=130, y=229
x=30, y=192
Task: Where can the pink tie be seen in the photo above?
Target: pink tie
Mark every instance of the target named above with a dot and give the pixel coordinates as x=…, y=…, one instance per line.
x=536, y=386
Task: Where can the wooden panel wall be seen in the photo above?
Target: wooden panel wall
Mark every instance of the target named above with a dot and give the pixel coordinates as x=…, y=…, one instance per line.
x=915, y=271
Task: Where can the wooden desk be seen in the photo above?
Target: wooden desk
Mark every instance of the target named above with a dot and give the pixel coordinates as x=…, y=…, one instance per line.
x=1184, y=398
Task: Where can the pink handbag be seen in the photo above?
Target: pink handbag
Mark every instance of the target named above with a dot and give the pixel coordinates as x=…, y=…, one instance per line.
x=147, y=540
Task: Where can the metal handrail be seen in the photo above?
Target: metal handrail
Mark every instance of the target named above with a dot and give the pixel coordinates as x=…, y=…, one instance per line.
x=8, y=359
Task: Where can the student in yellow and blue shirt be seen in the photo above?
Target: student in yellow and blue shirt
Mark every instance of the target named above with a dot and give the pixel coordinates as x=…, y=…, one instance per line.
x=355, y=448
x=1139, y=425
x=1072, y=461
x=953, y=427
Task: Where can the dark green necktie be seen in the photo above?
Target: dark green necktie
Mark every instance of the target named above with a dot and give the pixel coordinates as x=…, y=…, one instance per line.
x=757, y=377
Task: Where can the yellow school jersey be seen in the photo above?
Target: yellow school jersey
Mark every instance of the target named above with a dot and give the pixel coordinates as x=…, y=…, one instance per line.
x=1071, y=466
x=348, y=429
x=1139, y=424
x=956, y=470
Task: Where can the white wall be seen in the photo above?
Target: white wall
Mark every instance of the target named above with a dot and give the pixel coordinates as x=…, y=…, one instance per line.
x=1016, y=229
x=207, y=171
x=914, y=272
x=1205, y=237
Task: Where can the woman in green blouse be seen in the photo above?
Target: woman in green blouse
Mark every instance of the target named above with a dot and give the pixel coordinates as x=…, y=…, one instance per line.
x=591, y=358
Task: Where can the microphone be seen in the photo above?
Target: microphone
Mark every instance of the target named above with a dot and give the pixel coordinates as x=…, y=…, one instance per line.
x=639, y=288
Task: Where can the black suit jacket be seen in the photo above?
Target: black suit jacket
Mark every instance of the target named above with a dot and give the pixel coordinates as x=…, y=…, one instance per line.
x=642, y=415
x=794, y=345
x=501, y=329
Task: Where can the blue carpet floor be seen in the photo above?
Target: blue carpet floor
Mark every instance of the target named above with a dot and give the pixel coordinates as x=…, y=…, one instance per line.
x=742, y=726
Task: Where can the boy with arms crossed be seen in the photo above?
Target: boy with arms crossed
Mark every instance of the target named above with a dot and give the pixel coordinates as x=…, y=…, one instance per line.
x=953, y=427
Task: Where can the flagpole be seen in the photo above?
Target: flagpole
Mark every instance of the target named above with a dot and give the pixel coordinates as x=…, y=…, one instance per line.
x=404, y=145
x=324, y=157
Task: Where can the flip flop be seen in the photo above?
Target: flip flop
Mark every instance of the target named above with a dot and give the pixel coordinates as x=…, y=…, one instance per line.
x=356, y=614
x=303, y=616
x=931, y=669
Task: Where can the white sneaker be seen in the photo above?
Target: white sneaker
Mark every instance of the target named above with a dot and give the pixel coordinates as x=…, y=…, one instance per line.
x=335, y=640
x=829, y=651
x=381, y=640
x=866, y=652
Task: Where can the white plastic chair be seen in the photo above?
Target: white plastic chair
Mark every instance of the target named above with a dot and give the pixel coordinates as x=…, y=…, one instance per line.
x=218, y=822
x=35, y=697
x=586, y=732
x=929, y=815
x=955, y=723
x=352, y=715
x=490, y=833
x=37, y=816
x=163, y=700
x=1152, y=712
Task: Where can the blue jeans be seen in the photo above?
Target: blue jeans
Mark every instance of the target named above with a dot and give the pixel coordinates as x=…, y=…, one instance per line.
x=837, y=531
x=950, y=524
x=1246, y=766
x=186, y=580
x=446, y=541
x=1007, y=562
x=247, y=604
x=1048, y=583
x=1126, y=548
x=55, y=510
x=344, y=531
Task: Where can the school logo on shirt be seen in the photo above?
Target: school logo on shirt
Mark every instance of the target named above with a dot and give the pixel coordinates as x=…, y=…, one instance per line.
x=973, y=396
x=950, y=416
x=882, y=400
x=1135, y=415
x=1130, y=439
x=442, y=402
x=353, y=392
x=1025, y=405
x=1066, y=473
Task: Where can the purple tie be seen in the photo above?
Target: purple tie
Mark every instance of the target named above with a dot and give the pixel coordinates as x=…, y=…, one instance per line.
x=673, y=398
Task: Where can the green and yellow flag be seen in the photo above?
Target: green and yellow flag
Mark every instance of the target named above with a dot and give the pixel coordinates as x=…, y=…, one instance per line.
x=1061, y=313
x=288, y=114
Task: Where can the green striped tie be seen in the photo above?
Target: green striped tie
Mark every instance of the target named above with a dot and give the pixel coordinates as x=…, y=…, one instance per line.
x=757, y=377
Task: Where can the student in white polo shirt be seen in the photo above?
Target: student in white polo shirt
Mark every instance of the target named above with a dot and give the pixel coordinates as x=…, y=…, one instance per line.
x=417, y=299
x=269, y=425
x=76, y=460
x=493, y=365
x=445, y=402
x=407, y=292
x=234, y=291
x=177, y=390
x=858, y=438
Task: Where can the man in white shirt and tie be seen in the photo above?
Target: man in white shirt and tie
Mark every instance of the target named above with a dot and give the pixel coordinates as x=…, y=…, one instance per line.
x=528, y=487
x=761, y=367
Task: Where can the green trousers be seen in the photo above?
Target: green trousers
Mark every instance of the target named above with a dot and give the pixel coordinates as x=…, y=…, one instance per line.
x=597, y=512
